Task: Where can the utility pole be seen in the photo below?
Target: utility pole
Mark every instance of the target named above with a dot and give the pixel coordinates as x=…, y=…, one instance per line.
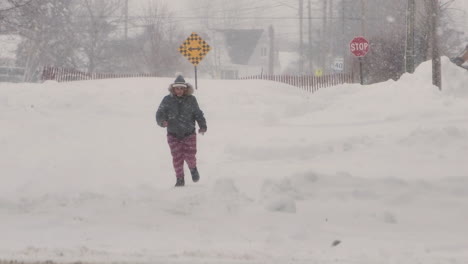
x=331, y=33
x=309, y=13
x=363, y=17
x=410, y=25
x=126, y=19
x=436, y=65
x=324, y=34
x=301, y=41
x=271, y=57
x=364, y=32
x=343, y=30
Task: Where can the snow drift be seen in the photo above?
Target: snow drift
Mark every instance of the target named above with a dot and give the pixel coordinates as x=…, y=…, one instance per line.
x=87, y=175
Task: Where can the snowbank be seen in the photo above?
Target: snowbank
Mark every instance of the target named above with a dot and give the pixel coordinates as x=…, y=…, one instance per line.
x=87, y=176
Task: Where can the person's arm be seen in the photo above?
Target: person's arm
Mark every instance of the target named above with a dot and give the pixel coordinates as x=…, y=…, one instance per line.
x=161, y=113
x=199, y=116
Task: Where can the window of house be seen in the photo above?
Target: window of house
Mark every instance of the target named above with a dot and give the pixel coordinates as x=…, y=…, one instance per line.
x=263, y=52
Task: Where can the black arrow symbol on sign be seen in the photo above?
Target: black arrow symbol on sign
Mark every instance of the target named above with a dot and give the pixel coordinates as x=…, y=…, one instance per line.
x=191, y=49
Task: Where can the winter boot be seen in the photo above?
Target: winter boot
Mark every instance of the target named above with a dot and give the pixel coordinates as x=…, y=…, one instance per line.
x=195, y=174
x=180, y=182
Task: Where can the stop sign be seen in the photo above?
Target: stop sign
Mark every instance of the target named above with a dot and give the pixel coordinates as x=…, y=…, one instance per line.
x=359, y=46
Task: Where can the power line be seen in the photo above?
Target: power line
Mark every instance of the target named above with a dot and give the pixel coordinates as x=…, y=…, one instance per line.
x=233, y=17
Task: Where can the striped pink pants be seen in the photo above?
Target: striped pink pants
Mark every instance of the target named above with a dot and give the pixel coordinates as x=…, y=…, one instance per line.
x=182, y=150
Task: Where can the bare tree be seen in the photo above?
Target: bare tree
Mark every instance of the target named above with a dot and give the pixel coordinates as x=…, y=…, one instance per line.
x=160, y=41
x=436, y=67
x=447, y=35
x=48, y=37
x=10, y=5
x=95, y=21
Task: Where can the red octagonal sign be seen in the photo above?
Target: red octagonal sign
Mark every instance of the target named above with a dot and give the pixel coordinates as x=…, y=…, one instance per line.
x=359, y=46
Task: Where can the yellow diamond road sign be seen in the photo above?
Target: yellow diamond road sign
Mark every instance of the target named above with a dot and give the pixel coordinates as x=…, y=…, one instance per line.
x=194, y=49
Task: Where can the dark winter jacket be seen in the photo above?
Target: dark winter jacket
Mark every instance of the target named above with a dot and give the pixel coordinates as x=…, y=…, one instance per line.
x=181, y=114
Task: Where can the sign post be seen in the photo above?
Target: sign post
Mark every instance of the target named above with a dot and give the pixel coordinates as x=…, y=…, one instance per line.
x=194, y=49
x=359, y=46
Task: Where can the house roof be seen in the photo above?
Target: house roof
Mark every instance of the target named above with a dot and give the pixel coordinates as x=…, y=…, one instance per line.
x=241, y=43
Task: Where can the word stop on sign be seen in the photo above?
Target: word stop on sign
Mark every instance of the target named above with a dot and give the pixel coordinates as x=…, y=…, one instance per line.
x=359, y=46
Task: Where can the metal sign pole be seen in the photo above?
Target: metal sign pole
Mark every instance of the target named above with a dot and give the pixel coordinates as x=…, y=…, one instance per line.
x=196, y=85
x=360, y=71
x=359, y=46
x=194, y=49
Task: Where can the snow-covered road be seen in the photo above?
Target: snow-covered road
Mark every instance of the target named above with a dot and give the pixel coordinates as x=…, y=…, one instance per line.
x=87, y=176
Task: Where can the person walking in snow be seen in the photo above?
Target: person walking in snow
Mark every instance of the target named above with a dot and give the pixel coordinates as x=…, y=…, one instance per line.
x=178, y=112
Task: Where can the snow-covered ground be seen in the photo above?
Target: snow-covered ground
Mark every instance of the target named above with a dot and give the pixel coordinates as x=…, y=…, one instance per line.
x=86, y=174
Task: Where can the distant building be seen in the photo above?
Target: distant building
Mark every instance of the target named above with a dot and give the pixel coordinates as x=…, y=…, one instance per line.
x=241, y=52
x=8, y=45
x=9, y=72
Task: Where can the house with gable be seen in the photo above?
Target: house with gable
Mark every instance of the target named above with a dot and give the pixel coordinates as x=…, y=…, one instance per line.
x=9, y=71
x=241, y=52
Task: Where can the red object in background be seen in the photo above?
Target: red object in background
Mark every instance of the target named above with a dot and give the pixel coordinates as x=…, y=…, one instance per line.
x=359, y=46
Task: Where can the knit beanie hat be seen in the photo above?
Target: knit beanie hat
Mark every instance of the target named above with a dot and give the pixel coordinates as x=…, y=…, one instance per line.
x=179, y=80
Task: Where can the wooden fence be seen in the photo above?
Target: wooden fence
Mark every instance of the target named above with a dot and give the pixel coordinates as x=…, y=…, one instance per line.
x=306, y=82
x=67, y=75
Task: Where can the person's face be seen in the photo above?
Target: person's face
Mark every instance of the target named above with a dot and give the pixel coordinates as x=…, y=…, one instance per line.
x=179, y=91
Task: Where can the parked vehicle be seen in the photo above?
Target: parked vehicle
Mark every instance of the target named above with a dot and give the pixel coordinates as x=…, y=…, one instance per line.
x=461, y=59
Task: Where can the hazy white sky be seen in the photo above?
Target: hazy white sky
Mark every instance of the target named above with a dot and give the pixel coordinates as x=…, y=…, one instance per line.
x=182, y=8
x=174, y=5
